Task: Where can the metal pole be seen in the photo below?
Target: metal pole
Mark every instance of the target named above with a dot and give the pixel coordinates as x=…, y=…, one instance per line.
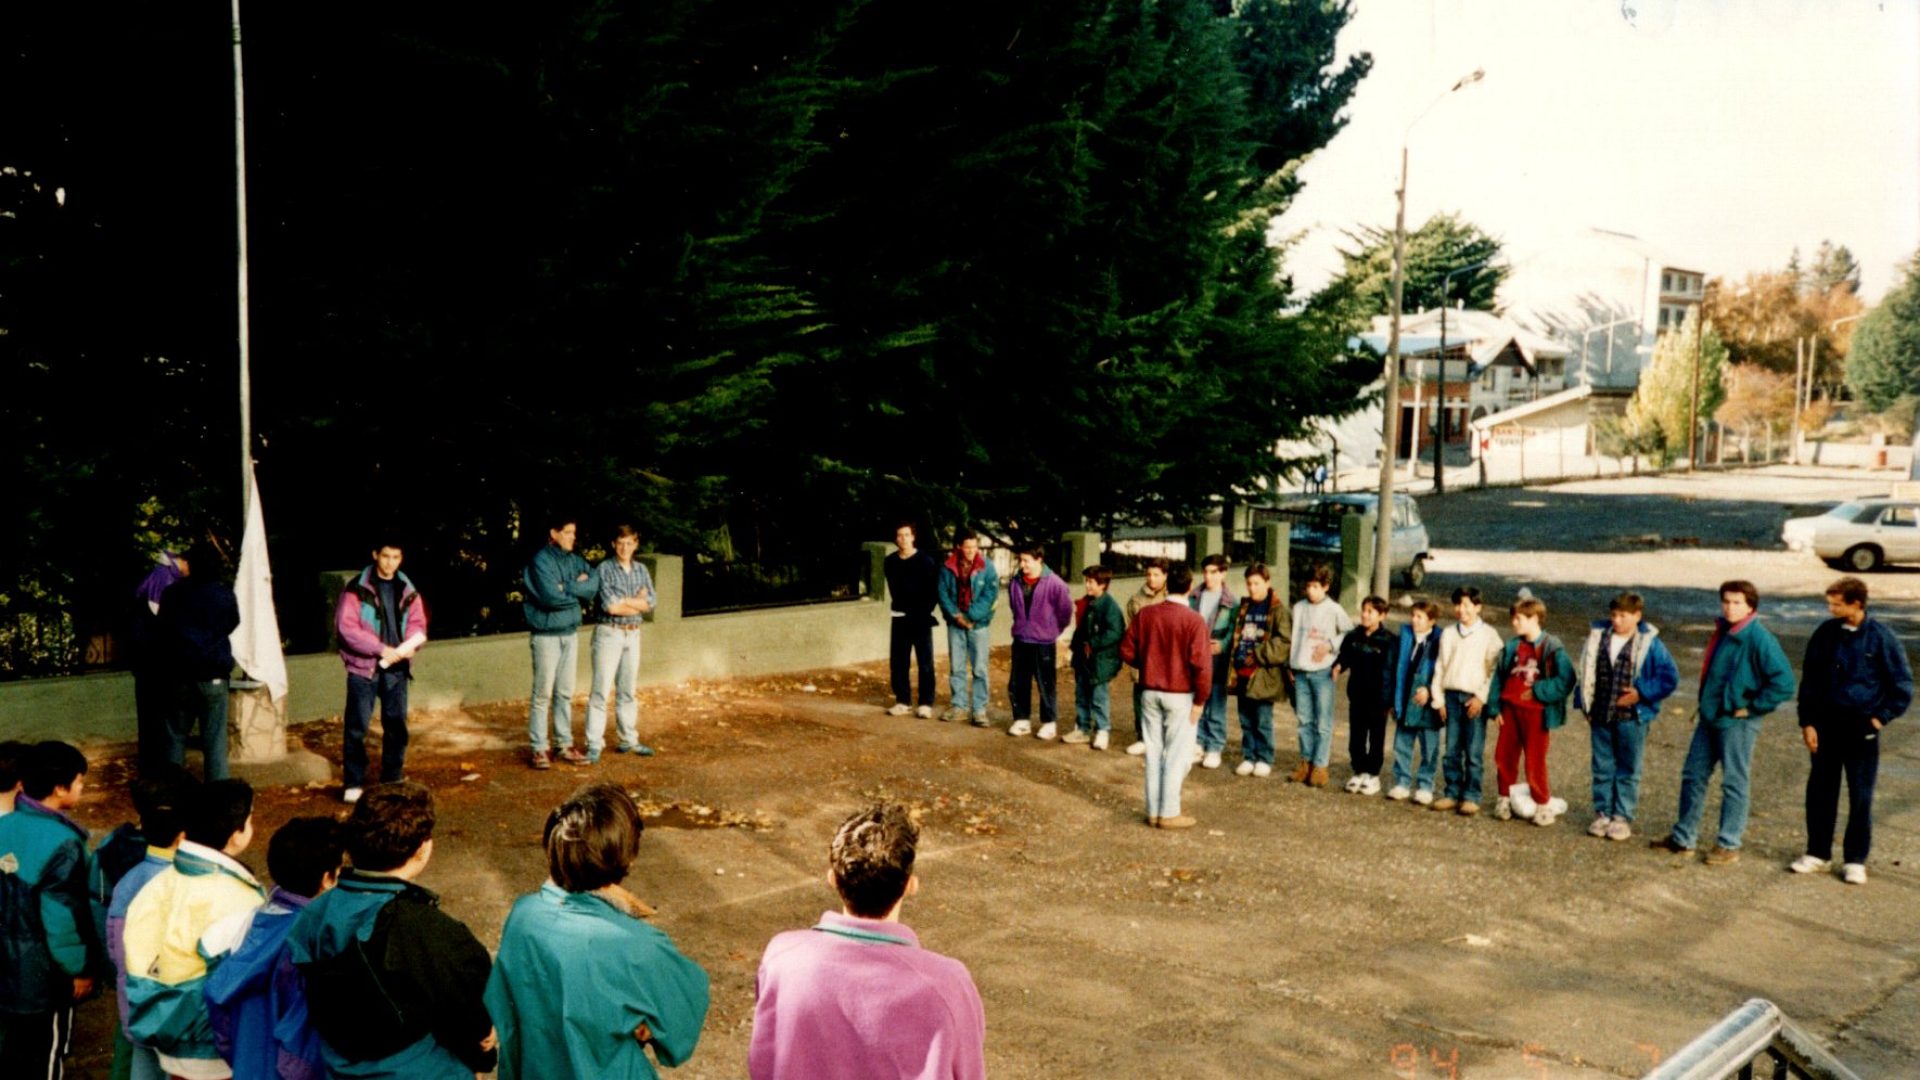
x=240, y=202
x=1799, y=372
x=1390, y=420
x=1440, y=444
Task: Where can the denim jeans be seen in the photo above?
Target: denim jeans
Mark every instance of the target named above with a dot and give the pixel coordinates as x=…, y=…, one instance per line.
x=1256, y=730
x=1850, y=750
x=390, y=687
x=1466, y=749
x=1313, y=706
x=1409, y=771
x=554, y=658
x=909, y=635
x=202, y=704
x=1616, y=767
x=1167, y=726
x=967, y=652
x=1213, y=718
x=616, y=669
x=1091, y=701
x=1730, y=748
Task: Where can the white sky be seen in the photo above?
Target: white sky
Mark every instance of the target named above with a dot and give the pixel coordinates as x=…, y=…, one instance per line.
x=1723, y=132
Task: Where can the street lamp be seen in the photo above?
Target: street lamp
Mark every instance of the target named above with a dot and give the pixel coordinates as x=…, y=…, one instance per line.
x=1440, y=444
x=1390, y=418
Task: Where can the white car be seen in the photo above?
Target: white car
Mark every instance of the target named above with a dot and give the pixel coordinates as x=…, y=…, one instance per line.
x=1859, y=535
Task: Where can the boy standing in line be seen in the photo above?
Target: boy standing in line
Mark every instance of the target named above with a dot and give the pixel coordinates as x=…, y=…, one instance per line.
x=557, y=581
x=913, y=586
x=624, y=599
x=1416, y=736
x=1215, y=603
x=1625, y=675
x=1170, y=647
x=381, y=622
x=1152, y=592
x=1259, y=669
x=1462, y=684
x=1098, y=626
x=1319, y=626
x=968, y=586
x=1534, y=677
x=1367, y=659
x=1042, y=608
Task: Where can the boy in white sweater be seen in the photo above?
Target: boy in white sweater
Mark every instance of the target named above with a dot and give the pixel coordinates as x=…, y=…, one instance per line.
x=1463, y=681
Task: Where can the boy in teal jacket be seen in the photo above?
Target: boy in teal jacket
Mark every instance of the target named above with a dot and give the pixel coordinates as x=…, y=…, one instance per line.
x=1098, y=626
x=1531, y=682
x=582, y=985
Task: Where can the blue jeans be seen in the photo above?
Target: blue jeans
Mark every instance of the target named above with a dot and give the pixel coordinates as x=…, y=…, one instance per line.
x=616, y=668
x=554, y=658
x=1091, y=701
x=1466, y=749
x=1213, y=718
x=1407, y=772
x=390, y=687
x=1166, y=725
x=202, y=704
x=1616, y=767
x=1731, y=748
x=967, y=651
x=1256, y=730
x=1313, y=706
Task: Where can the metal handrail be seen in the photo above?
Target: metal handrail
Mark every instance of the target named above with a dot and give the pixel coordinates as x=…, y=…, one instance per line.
x=1754, y=1033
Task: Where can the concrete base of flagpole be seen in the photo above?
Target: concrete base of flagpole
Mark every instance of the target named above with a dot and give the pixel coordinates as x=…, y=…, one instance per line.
x=258, y=749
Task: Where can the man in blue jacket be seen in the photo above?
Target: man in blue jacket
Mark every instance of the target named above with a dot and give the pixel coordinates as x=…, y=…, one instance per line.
x=968, y=587
x=198, y=615
x=556, y=582
x=1856, y=681
x=1744, y=676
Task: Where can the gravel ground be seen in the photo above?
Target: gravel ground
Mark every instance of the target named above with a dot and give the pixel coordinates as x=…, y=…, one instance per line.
x=1295, y=932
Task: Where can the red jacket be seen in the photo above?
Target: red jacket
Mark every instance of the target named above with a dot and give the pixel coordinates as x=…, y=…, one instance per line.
x=1170, y=646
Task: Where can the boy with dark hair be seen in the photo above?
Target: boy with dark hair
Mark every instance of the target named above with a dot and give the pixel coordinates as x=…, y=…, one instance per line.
x=1416, y=736
x=1366, y=656
x=1855, y=681
x=1097, y=628
x=858, y=990
x=1042, y=608
x=1534, y=678
x=1151, y=592
x=393, y=983
x=50, y=948
x=1625, y=675
x=1215, y=602
x=577, y=960
x=161, y=797
x=1462, y=685
x=913, y=588
x=625, y=598
x=12, y=759
x=1168, y=645
x=1744, y=676
x=255, y=1000
x=968, y=586
x=198, y=615
x=1320, y=624
x=171, y=943
x=557, y=581
x=1258, y=668
x=381, y=622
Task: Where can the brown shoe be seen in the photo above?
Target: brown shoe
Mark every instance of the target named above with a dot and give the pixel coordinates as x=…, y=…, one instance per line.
x=1671, y=846
x=540, y=760
x=1181, y=822
x=1469, y=808
x=1153, y=822
x=1721, y=856
x=1300, y=773
x=1443, y=804
x=573, y=757
x=1318, y=777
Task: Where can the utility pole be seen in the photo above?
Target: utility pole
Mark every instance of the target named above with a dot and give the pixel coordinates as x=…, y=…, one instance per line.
x=1440, y=446
x=1693, y=406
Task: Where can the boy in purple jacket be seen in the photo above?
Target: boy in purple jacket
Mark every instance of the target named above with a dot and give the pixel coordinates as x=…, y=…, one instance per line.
x=1042, y=612
x=856, y=996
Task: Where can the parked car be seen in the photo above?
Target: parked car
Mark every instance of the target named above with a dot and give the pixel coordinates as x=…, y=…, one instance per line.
x=1860, y=535
x=1316, y=528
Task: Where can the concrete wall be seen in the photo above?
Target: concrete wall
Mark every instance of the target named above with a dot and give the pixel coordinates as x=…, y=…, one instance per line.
x=1856, y=455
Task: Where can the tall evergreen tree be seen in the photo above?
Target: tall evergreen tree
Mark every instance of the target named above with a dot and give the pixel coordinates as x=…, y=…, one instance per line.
x=1445, y=243
x=1884, y=364
x=1834, y=267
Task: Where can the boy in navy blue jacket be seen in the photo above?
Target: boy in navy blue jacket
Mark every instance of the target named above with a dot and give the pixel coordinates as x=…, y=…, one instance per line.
x=1626, y=673
x=1416, y=737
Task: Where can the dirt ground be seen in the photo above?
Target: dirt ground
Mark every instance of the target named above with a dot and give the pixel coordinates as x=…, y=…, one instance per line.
x=1296, y=932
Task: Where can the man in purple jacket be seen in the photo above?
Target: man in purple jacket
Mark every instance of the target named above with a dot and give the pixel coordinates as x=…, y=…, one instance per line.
x=382, y=623
x=856, y=996
x=1042, y=612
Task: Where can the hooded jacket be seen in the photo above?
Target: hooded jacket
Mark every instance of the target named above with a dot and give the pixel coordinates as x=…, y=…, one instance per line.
x=983, y=582
x=257, y=1004
x=171, y=945
x=1408, y=678
x=48, y=886
x=1550, y=688
x=1654, y=674
x=1050, y=613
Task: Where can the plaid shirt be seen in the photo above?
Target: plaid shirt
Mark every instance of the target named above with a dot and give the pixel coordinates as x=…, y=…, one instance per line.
x=619, y=583
x=1613, y=676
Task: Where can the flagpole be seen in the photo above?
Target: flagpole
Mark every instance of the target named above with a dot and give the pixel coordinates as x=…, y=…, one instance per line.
x=240, y=200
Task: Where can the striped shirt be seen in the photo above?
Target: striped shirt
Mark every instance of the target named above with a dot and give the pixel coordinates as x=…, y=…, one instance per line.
x=622, y=583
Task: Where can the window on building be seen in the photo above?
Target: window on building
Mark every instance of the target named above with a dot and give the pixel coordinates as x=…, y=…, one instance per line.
x=1666, y=282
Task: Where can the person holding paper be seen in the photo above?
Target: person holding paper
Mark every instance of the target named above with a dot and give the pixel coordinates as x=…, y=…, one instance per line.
x=382, y=623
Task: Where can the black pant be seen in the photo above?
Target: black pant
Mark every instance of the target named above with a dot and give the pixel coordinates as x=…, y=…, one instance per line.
x=154, y=704
x=35, y=1045
x=1366, y=735
x=1033, y=664
x=390, y=687
x=911, y=634
x=1850, y=748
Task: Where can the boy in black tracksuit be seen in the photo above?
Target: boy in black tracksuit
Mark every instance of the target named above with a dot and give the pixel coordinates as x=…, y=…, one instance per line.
x=1367, y=656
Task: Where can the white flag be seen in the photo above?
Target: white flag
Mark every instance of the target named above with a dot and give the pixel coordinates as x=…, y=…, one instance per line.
x=256, y=643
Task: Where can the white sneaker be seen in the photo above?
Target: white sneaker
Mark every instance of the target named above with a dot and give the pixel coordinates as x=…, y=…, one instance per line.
x=1100, y=742
x=1211, y=760
x=1370, y=785
x=1020, y=727
x=1545, y=816
x=1353, y=784
x=1600, y=826
x=924, y=712
x=1556, y=806
x=1262, y=769
x=351, y=795
x=1523, y=803
x=1854, y=873
x=1137, y=749
x=1807, y=864
x=1048, y=731
x=900, y=710
x=1424, y=796
x=1399, y=793
x=1076, y=737
x=1198, y=752
x=1503, y=810
x=1245, y=768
